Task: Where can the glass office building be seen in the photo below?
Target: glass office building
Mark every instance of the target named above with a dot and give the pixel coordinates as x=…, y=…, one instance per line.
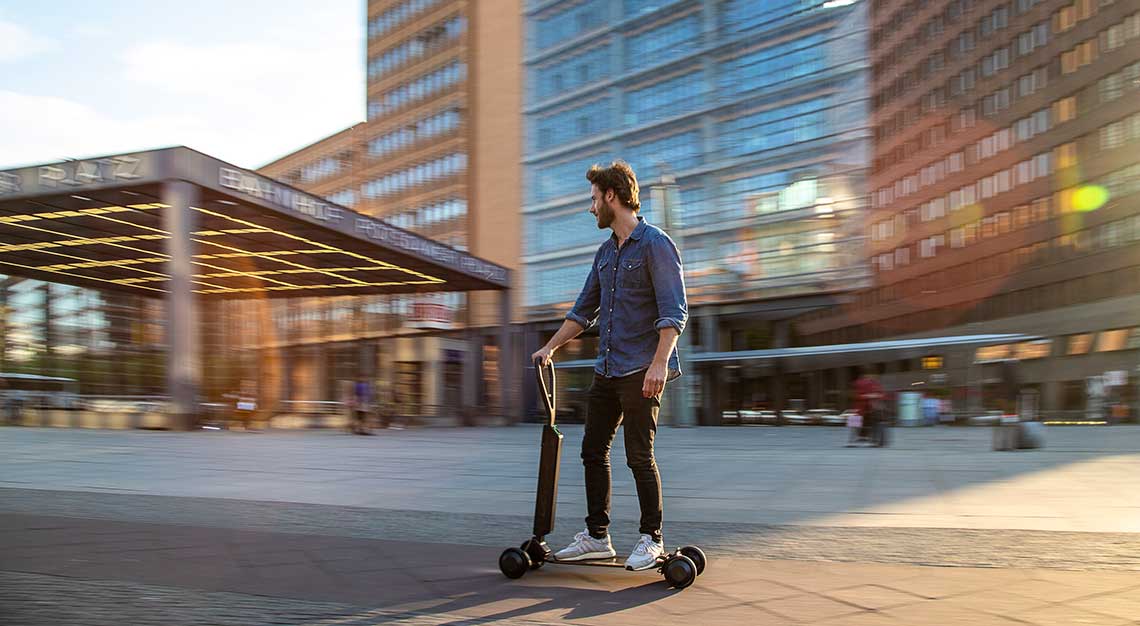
x=759, y=111
x=1003, y=193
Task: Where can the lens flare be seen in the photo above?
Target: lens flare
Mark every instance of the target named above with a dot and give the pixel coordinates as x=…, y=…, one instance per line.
x=1089, y=198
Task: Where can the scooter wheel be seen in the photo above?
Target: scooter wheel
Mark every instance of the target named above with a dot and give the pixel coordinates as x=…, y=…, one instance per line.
x=680, y=571
x=698, y=557
x=537, y=558
x=513, y=562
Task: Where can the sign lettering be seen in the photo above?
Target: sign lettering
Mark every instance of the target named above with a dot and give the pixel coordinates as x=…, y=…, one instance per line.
x=89, y=172
x=10, y=183
x=376, y=230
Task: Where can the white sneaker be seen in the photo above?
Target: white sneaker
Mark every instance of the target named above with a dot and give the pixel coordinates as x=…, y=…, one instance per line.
x=586, y=547
x=645, y=553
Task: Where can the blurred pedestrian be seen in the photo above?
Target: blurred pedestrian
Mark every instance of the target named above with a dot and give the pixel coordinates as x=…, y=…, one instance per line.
x=361, y=402
x=1010, y=386
x=869, y=397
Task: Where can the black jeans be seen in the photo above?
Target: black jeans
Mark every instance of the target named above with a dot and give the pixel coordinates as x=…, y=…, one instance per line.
x=613, y=401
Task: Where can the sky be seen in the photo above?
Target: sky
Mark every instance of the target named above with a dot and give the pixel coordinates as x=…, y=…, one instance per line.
x=246, y=81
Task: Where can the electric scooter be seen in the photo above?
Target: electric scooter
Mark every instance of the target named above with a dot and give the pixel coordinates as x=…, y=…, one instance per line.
x=680, y=567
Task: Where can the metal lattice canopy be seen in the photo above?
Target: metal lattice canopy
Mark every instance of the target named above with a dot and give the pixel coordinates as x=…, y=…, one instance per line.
x=100, y=223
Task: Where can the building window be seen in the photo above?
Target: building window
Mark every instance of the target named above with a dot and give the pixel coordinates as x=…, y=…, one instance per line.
x=1112, y=340
x=1083, y=54
x=1079, y=344
x=1065, y=109
x=1065, y=155
x=1064, y=19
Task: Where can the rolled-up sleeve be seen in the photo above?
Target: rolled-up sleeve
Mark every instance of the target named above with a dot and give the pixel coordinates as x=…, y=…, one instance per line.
x=589, y=303
x=668, y=284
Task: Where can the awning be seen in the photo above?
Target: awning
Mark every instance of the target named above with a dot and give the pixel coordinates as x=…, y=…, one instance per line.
x=907, y=348
x=102, y=223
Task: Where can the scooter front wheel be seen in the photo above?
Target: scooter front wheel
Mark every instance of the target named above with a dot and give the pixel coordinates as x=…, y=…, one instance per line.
x=697, y=556
x=680, y=571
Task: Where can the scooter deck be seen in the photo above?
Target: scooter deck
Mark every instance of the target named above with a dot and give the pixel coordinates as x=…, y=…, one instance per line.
x=610, y=562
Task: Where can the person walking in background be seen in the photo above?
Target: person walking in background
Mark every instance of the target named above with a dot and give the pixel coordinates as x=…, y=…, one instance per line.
x=361, y=402
x=1010, y=386
x=868, y=397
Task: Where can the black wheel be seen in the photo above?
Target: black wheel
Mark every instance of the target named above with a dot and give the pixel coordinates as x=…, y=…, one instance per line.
x=535, y=552
x=513, y=562
x=697, y=556
x=680, y=571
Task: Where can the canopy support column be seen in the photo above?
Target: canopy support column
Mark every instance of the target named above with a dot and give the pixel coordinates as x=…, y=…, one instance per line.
x=183, y=361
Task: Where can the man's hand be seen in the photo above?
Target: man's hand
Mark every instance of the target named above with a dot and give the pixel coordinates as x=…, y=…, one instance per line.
x=544, y=353
x=654, y=379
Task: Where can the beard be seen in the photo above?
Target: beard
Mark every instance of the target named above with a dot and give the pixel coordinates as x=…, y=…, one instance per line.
x=605, y=217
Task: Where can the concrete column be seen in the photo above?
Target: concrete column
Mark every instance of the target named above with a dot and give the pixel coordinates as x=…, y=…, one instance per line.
x=183, y=361
x=366, y=360
x=507, y=361
x=532, y=341
x=777, y=389
x=322, y=388
x=1050, y=396
x=843, y=384
x=4, y=323
x=710, y=373
x=49, y=361
x=472, y=366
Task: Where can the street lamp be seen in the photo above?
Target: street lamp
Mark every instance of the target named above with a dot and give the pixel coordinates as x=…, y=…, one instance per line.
x=663, y=194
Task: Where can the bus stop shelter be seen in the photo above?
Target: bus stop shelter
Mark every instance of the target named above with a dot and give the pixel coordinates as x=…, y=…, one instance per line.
x=180, y=225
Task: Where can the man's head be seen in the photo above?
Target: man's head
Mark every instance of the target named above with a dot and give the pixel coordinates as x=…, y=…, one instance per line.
x=612, y=188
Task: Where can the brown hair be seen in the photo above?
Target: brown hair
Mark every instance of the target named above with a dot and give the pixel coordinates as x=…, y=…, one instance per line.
x=620, y=178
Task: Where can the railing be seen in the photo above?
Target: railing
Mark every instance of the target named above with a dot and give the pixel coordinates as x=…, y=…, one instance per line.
x=311, y=407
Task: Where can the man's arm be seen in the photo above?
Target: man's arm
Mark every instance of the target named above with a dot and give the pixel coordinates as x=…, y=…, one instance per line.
x=668, y=285
x=569, y=330
x=582, y=316
x=672, y=310
x=659, y=369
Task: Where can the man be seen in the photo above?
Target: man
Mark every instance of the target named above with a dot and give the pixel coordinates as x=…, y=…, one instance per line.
x=635, y=292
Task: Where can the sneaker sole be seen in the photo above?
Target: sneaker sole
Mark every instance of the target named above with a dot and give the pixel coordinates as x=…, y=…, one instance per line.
x=642, y=568
x=589, y=556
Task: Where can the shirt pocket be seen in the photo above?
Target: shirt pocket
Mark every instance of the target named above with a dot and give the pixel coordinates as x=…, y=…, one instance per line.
x=632, y=274
x=605, y=268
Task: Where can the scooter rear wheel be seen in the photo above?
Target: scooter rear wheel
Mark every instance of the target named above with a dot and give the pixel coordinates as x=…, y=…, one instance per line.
x=537, y=557
x=513, y=563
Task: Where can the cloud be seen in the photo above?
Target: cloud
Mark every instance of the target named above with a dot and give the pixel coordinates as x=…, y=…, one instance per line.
x=247, y=97
x=16, y=42
x=280, y=97
x=38, y=129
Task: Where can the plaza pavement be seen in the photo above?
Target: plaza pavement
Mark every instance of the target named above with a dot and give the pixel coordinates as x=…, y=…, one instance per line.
x=128, y=527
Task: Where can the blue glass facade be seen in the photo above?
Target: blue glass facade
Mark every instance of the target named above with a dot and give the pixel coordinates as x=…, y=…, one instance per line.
x=758, y=109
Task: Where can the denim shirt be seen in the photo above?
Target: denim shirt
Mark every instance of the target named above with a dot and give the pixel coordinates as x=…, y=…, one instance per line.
x=631, y=293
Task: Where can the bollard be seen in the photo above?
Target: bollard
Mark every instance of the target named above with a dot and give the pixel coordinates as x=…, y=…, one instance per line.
x=1031, y=435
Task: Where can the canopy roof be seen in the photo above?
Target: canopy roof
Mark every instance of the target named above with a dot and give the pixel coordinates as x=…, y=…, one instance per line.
x=101, y=223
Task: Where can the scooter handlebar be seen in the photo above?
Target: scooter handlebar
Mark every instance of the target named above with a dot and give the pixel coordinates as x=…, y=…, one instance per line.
x=546, y=391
